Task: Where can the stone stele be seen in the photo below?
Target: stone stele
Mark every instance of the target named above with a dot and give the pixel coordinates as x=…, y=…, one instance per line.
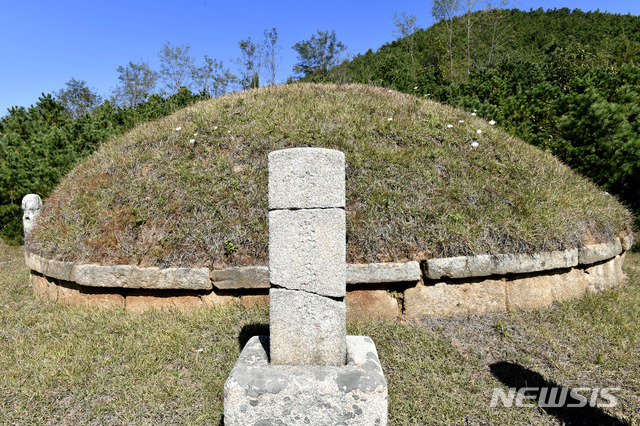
x=308, y=371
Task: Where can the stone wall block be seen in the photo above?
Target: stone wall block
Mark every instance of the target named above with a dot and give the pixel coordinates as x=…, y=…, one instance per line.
x=371, y=304
x=536, y=292
x=444, y=300
x=95, y=298
x=142, y=303
x=605, y=276
x=51, y=268
x=597, y=252
x=241, y=277
x=307, y=250
x=383, y=272
x=170, y=278
x=500, y=264
x=129, y=276
x=69, y=295
x=254, y=300
x=103, y=276
x=303, y=178
x=44, y=288
x=306, y=329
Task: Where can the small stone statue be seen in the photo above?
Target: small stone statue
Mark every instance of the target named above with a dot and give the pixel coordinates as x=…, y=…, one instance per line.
x=31, y=205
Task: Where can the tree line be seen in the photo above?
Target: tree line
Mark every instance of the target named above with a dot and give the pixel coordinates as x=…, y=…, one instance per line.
x=566, y=81
x=42, y=143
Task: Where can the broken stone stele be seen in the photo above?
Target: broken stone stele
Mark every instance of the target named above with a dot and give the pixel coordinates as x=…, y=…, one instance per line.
x=307, y=371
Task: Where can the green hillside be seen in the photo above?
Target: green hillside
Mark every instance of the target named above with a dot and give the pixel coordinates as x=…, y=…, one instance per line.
x=565, y=81
x=423, y=180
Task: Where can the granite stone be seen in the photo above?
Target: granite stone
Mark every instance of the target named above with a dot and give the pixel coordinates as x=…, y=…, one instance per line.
x=500, y=264
x=307, y=250
x=306, y=328
x=303, y=178
x=260, y=393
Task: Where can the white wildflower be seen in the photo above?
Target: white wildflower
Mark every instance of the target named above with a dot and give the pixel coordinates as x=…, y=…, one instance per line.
x=460, y=121
x=178, y=128
x=449, y=125
x=215, y=127
x=390, y=119
x=479, y=131
x=228, y=131
x=473, y=114
x=474, y=144
x=415, y=88
x=390, y=91
x=192, y=140
x=492, y=122
x=195, y=134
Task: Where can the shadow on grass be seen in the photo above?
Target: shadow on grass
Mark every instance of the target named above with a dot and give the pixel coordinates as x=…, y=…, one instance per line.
x=567, y=411
x=250, y=330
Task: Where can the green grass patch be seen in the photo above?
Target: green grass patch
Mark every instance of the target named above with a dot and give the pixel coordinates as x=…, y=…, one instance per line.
x=79, y=366
x=191, y=189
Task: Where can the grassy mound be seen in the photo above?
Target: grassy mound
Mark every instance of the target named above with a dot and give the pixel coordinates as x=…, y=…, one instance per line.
x=423, y=180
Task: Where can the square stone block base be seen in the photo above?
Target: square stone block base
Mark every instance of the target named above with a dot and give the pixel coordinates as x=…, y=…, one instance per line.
x=258, y=393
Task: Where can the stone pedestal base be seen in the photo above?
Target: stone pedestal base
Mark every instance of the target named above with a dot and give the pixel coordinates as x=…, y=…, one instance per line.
x=260, y=394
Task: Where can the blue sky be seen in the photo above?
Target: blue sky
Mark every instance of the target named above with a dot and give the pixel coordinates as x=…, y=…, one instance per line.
x=44, y=43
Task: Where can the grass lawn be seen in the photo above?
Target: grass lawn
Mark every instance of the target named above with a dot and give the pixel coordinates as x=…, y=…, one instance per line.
x=61, y=365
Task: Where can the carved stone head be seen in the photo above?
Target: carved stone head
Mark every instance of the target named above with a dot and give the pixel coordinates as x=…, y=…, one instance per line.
x=31, y=205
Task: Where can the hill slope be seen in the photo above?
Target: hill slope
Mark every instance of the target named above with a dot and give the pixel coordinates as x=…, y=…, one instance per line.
x=566, y=81
x=423, y=180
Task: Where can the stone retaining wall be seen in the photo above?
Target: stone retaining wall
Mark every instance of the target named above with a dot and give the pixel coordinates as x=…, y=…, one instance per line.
x=435, y=287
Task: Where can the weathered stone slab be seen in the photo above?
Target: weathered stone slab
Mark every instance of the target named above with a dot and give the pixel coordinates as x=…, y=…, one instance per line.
x=605, y=276
x=596, y=252
x=259, y=393
x=383, y=272
x=306, y=328
x=444, y=300
x=303, y=178
x=241, y=277
x=371, y=304
x=128, y=276
x=51, y=268
x=307, y=250
x=540, y=291
x=246, y=277
x=103, y=276
x=500, y=264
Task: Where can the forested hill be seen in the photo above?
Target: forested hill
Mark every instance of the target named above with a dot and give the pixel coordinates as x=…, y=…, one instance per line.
x=593, y=38
x=567, y=81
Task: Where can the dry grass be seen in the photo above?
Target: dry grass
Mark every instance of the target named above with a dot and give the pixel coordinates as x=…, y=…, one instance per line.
x=65, y=365
x=415, y=187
